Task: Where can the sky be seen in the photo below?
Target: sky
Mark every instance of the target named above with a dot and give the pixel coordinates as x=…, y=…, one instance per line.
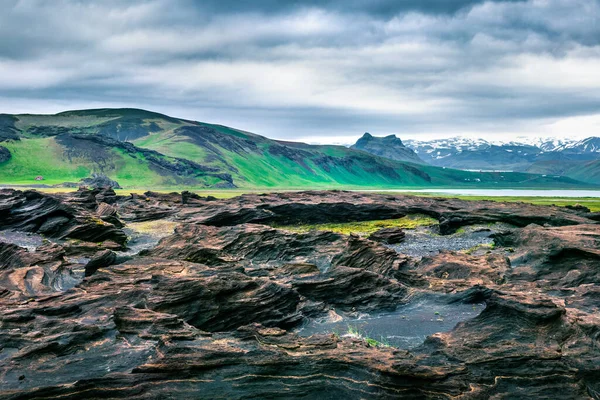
x=317, y=71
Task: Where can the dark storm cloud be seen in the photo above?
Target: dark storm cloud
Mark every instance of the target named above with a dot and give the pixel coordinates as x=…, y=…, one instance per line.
x=312, y=69
x=380, y=8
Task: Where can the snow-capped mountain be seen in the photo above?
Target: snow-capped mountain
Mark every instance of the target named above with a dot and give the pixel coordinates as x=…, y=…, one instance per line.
x=466, y=143
x=549, y=144
x=589, y=145
x=578, y=159
x=514, y=155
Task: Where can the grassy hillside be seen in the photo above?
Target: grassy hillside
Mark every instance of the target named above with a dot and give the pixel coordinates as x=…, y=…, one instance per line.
x=141, y=149
x=585, y=171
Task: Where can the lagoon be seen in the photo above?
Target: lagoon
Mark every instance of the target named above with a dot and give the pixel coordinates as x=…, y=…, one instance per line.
x=500, y=192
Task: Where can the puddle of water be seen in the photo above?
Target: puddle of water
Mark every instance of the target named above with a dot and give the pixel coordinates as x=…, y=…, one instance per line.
x=77, y=260
x=30, y=241
x=405, y=328
x=560, y=193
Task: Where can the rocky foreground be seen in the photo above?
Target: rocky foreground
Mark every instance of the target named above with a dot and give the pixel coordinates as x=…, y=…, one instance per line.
x=214, y=309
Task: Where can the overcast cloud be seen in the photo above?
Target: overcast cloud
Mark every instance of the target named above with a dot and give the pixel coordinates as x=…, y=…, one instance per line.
x=319, y=71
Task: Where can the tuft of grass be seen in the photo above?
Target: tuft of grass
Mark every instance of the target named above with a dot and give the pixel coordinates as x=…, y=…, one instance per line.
x=354, y=332
x=488, y=246
x=365, y=228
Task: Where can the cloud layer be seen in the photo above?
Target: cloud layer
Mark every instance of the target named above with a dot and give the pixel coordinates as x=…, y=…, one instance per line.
x=321, y=71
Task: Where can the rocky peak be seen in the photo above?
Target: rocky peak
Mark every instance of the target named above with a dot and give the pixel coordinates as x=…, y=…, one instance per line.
x=389, y=147
x=393, y=140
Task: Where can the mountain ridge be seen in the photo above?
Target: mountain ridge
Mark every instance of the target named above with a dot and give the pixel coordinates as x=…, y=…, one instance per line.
x=139, y=148
x=536, y=155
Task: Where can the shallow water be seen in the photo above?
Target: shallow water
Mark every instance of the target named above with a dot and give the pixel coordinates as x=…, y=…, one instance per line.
x=405, y=328
x=30, y=241
x=500, y=192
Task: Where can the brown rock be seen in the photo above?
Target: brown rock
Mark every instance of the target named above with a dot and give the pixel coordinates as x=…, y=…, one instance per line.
x=388, y=236
x=102, y=259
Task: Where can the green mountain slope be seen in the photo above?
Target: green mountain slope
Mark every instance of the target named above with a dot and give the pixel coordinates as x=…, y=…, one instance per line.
x=142, y=149
x=585, y=171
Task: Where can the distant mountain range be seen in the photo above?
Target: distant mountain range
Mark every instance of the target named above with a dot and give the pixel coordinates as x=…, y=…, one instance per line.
x=143, y=149
x=478, y=153
x=578, y=159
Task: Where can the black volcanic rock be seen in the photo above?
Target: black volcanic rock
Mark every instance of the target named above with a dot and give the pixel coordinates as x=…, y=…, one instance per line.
x=101, y=259
x=99, y=181
x=4, y=154
x=31, y=211
x=388, y=235
x=8, y=131
x=388, y=147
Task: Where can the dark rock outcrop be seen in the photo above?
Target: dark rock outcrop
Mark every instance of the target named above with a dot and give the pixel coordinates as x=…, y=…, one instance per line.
x=4, y=154
x=8, y=131
x=99, y=181
x=565, y=256
x=388, y=235
x=101, y=259
x=31, y=211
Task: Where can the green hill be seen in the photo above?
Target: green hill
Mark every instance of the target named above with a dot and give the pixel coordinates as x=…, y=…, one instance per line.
x=142, y=149
x=585, y=171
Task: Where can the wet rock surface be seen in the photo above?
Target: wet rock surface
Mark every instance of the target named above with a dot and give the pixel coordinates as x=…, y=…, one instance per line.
x=212, y=302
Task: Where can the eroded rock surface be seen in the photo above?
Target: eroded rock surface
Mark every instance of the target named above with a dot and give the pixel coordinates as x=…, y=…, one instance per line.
x=213, y=310
x=72, y=217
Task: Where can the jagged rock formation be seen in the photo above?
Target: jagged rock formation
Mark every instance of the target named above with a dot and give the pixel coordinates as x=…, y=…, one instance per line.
x=71, y=218
x=213, y=309
x=341, y=206
x=388, y=235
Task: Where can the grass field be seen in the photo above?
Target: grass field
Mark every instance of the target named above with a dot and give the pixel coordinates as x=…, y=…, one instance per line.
x=365, y=228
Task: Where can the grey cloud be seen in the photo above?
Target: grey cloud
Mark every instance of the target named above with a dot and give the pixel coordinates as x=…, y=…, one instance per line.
x=381, y=8
x=311, y=68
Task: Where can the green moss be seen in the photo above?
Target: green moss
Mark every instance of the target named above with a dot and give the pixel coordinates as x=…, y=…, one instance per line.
x=365, y=228
x=485, y=246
